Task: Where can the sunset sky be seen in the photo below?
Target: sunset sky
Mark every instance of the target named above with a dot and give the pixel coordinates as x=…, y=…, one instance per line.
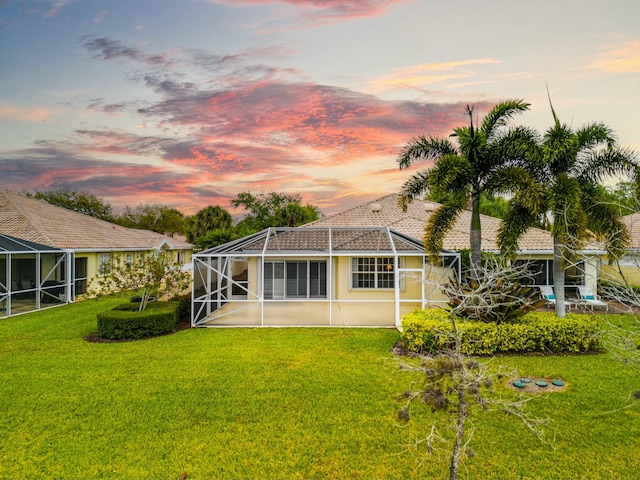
x=189, y=102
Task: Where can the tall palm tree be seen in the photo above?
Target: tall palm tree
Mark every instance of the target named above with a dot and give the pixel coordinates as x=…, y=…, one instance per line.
x=482, y=161
x=570, y=165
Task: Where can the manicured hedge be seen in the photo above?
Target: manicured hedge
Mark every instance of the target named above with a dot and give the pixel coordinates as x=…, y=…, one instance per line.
x=430, y=331
x=126, y=322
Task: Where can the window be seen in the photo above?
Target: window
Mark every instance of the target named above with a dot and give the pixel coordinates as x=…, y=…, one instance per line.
x=104, y=263
x=295, y=279
x=372, y=272
x=540, y=272
x=129, y=260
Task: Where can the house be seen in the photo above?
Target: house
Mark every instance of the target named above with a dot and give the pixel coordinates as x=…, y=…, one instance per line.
x=315, y=276
x=92, y=244
x=365, y=266
x=628, y=267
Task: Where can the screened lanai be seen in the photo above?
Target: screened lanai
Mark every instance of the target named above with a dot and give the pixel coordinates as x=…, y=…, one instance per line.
x=32, y=276
x=322, y=276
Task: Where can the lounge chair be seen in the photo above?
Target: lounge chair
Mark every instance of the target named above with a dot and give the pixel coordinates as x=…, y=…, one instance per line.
x=550, y=297
x=590, y=300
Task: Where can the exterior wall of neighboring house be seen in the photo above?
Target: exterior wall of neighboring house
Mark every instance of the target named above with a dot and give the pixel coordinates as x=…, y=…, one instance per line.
x=89, y=265
x=629, y=269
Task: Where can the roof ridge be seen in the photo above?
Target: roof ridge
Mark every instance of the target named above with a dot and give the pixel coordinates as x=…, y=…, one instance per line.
x=343, y=212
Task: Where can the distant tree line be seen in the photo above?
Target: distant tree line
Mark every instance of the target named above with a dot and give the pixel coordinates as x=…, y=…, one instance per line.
x=209, y=227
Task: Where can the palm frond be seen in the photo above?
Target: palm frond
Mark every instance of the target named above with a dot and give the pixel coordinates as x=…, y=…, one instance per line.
x=565, y=202
x=559, y=149
x=595, y=166
x=523, y=185
x=440, y=223
x=422, y=148
x=416, y=186
x=451, y=173
x=516, y=222
x=604, y=221
x=595, y=134
x=501, y=114
x=556, y=121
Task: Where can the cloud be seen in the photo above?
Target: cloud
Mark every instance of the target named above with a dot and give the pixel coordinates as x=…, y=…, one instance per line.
x=109, y=49
x=621, y=58
x=24, y=114
x=223, y=124
x=315, y=13
x=417, y=76
x=49, y=168
x=53, y=11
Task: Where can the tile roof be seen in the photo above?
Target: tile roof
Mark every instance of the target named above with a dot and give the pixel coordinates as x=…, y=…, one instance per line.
x=320, y=240
x=633, y=224
x=385, y=212
x=41, y=222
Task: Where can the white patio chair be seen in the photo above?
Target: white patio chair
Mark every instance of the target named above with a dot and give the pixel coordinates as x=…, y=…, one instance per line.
x=591, y=300
x=549, y=295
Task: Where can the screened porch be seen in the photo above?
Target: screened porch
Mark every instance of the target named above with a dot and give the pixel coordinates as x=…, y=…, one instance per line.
x=316, y=277
x=32, y=276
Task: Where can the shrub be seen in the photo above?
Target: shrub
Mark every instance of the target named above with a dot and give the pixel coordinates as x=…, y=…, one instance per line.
x=125, y=321
x=430, y=331
x=184, y=309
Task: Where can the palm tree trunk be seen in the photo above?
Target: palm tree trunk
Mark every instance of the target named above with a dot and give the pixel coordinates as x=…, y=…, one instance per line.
x=558, y=278
x=475, y=239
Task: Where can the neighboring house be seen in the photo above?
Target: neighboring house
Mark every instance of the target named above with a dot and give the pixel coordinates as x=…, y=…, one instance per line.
x=535, y=246
x=365, y=266
x=629, y=265
x=91, y=243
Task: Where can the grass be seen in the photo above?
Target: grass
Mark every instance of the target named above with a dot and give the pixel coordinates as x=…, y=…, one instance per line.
x=276, y=403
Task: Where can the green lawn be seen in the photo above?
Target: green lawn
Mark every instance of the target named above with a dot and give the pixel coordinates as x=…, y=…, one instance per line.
x=276, y=403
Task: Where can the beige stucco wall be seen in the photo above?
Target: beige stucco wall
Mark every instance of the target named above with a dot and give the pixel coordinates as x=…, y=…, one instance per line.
x=629, y=267
x=411, y=289
x=93, y=258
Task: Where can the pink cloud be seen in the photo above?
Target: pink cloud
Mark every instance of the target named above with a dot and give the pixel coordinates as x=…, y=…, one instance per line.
x=24, y=114
x=620, y=58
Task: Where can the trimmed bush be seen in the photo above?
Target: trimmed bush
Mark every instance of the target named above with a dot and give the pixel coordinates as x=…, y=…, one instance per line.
x=126, y=322
x=184, y=310
x=430, y=331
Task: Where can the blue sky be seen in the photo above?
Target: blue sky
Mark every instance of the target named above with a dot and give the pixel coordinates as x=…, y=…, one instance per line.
x=190, y=102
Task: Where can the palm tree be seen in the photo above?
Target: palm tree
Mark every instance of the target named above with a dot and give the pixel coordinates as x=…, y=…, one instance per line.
x=209, y=218
x=570, y=165
x=483, y=161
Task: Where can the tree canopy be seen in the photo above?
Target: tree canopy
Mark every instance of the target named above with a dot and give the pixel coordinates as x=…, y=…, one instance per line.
x=207, y=219
x=78, y=201
x=157, y=218
x=274, y=210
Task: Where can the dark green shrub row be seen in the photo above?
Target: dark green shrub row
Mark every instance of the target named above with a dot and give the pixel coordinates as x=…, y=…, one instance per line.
x=430, y=331
x=126, y=322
